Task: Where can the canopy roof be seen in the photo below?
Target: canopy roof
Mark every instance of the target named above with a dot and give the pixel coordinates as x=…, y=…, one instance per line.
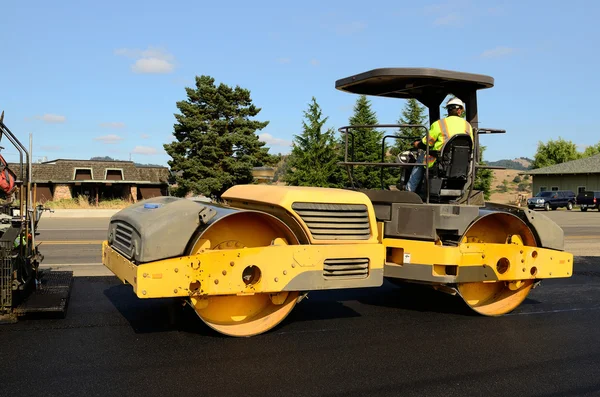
x=420, y=83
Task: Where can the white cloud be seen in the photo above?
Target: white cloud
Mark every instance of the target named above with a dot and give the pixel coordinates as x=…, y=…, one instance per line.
x=51, y=118
x=452, y=19
x=284, y=60
x=271, y=140
x=144, y=136
x=350, y=28
x=116, y=124
x=145, y=150
x=109, y=139
x=51, y=148
x=497, y=52
x=149, y=61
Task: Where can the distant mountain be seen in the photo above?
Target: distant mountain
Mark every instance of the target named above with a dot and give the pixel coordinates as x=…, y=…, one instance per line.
x=521, y=163
x=107, y=158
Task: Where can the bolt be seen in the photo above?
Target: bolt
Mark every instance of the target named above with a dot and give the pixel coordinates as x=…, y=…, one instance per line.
x=176, y=270
x=284, y=272
x=276, y=279
x=551, y=273
x=175, y=291
x=522, y=260
x=216, y=281
x=483, y=255
x=145, y=275
x=144, y=292
x=521, y=251
x=231, y=263
x=524, y=269
x=293, y=265
x=224, y=272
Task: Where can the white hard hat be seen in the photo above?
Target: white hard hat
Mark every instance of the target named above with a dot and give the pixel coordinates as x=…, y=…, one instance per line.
x=455, y=102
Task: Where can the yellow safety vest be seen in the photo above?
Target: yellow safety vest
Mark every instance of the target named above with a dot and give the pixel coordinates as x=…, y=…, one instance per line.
x=442, y=130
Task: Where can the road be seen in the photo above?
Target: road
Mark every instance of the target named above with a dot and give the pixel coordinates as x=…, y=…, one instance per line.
x=76, y=241
x=385, y=341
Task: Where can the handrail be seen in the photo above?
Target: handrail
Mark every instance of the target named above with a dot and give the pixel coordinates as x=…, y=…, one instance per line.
x=349, y=165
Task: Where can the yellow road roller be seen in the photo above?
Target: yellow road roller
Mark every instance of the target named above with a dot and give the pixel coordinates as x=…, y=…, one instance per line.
x=244, y=264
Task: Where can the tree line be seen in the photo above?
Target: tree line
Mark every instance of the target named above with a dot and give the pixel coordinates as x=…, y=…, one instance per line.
x=560, y=151
x=216, y=144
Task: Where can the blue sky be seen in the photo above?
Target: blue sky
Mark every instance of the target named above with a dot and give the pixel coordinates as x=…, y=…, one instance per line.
x=102, y=78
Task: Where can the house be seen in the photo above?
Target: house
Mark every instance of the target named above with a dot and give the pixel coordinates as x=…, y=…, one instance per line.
x=263, y=174
x=576, y=175
x=97, y=179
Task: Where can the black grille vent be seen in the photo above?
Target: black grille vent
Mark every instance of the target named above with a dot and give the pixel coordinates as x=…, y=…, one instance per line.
x=335, y=221
x=123, y=239
x=346, y=268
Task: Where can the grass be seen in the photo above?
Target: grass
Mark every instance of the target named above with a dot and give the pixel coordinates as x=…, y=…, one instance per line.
x=83, y=202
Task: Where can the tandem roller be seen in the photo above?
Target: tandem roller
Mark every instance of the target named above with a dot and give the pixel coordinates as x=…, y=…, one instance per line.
x=244, y=264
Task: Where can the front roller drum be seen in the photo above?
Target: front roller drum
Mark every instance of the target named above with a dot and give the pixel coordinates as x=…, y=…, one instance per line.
x=244, y=315
x=498, y=297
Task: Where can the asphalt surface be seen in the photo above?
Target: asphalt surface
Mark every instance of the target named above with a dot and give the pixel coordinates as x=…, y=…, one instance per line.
x=367, y=342
x=373, y=342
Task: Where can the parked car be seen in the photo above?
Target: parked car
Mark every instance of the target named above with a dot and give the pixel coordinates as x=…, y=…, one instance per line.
x=554, y=200
x=588, y=199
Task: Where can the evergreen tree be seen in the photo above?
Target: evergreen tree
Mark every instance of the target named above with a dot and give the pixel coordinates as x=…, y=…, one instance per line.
x=367, y=147
x=413, y=113
x=215, y=145
x=314, y=156
x=483, y=177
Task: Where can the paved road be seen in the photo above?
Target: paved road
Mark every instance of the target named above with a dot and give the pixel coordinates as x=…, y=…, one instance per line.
x=372, y=342
x=73, y=241
x=386, y=341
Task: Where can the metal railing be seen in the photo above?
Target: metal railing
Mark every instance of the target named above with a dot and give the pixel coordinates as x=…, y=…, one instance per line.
x=350, y=164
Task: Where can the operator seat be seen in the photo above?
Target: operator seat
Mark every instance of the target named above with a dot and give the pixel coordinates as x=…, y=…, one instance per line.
x=450, y=174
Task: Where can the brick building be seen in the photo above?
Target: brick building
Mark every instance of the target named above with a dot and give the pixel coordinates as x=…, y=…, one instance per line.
x=97, y=179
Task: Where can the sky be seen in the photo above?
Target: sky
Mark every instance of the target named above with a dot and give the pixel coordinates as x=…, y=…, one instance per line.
x=103, y=78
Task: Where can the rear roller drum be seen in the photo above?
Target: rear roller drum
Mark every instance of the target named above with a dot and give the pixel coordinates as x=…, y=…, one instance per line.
x=500, y=297
x=248, y=315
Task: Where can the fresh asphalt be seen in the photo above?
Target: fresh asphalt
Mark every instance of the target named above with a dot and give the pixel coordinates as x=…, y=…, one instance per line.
x=366, y=342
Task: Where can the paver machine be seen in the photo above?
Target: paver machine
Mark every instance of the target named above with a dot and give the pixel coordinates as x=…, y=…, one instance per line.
x=243, y=264
x=24, y=288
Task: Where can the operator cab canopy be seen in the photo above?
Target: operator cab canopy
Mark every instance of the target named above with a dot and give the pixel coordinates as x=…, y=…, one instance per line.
x=428, y=86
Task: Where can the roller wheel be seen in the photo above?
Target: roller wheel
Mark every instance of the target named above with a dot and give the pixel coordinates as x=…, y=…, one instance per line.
x=249, y=315
x=500, y=297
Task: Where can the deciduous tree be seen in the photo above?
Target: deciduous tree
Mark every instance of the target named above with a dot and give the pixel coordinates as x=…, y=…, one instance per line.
x=555, y=152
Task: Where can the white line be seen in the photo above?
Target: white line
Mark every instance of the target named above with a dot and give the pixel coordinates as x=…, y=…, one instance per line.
x=74, y=230
x=554, y=311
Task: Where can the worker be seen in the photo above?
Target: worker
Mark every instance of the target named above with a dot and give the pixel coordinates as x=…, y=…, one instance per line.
x=439, y=133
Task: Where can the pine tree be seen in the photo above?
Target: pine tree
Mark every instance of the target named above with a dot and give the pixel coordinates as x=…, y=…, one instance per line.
x=367, y=146
x=314, y=156
x=215, y=145
x=413, y=113
x=483, y=177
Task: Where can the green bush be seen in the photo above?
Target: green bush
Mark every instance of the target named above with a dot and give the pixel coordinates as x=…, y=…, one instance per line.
x=517, y=179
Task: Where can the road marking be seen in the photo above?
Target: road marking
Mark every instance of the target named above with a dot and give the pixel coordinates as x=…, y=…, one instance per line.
x=96, y=229
x=582, y=237
x=70, y=242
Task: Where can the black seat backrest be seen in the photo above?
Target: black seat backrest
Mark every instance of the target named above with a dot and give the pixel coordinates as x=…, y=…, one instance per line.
x=455, y=158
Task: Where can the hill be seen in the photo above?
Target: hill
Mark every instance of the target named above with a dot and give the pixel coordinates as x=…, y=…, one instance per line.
x=521, y=163
x=507, y=185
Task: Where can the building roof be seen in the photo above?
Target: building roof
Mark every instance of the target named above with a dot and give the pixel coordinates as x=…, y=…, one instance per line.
x=63, y=171
x=587, y=165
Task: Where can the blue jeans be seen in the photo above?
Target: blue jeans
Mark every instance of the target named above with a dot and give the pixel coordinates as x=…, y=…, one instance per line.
x=416, y=174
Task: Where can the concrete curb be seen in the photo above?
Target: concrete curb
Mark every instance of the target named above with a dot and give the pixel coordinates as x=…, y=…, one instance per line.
x=80, y=213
